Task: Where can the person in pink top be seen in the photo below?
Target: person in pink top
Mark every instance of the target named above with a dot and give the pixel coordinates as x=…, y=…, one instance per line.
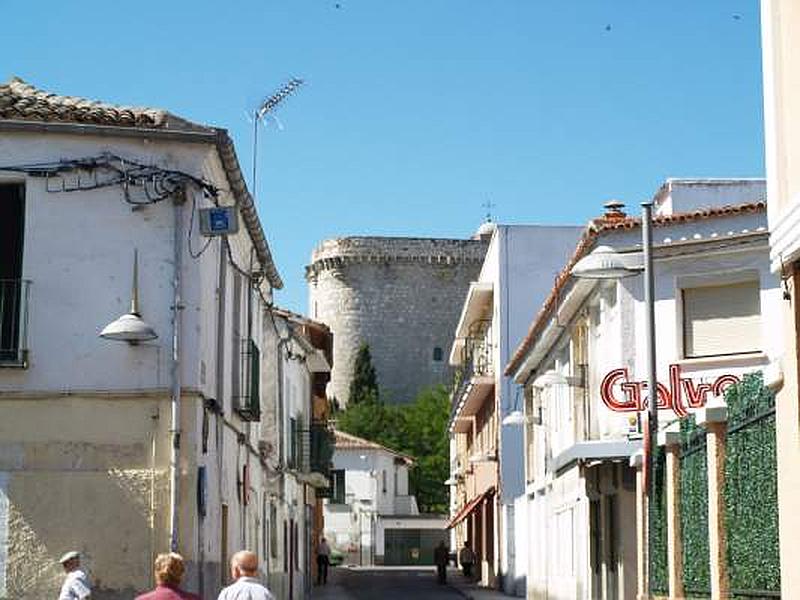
x=169, y=573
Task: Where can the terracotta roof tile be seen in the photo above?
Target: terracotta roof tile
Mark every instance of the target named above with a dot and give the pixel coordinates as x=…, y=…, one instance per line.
x=20, y=100
x=348, y=441
x=587, y=241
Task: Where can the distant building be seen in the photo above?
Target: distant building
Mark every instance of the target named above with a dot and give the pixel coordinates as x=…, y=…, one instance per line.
x=370, y=517
x=486, y=459
x=401, y=296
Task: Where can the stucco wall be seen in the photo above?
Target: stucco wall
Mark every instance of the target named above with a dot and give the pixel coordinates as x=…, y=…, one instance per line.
x=70, y=483
x=84, y=430
x=402, y=296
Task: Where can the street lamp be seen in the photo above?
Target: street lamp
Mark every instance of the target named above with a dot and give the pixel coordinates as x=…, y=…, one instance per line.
x=605, y=263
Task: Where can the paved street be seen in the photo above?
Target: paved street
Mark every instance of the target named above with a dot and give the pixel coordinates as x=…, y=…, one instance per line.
x=384, y=584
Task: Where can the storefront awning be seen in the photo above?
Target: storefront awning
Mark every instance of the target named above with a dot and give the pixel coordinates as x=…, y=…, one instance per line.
x=595, y=450
x=469, y=507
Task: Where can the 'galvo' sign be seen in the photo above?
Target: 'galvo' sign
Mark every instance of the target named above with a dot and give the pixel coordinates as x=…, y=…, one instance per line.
x=621, y=395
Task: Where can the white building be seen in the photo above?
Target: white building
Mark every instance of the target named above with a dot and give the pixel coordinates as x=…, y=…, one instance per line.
x=123, y=450
x=716, y=302
x=487, y=459
x=296, y=434
x=370, y=518
x=780, y=31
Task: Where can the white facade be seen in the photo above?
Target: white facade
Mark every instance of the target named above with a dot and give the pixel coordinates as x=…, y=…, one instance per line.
x=520, y=266
x=581, y=490
x=375, y=489
x=114, y=397
x=87, y=424
x=289, y=421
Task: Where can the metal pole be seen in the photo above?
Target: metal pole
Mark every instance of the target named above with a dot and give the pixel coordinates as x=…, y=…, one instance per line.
x=255, y=152
x=652, y=385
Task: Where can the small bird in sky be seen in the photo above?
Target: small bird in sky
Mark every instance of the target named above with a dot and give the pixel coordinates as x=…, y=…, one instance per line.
x=737, y=17
x=337, y=5
x=608, y=27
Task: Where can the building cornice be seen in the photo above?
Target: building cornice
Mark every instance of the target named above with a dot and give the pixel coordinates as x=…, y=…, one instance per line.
x=340, y=252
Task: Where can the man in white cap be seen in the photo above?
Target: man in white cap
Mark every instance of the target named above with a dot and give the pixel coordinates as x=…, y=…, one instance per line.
x=76, y=584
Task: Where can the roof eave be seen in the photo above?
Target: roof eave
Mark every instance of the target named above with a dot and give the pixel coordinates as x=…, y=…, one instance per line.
x=217, y=137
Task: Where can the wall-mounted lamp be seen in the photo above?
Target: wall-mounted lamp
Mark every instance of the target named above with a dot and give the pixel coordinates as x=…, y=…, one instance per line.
x=552, y=378
x=130, y=327
x=515, y=417
x=482, y=457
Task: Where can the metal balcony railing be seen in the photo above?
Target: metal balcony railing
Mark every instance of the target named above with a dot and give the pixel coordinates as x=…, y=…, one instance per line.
x=477, y=361
x=14, y=302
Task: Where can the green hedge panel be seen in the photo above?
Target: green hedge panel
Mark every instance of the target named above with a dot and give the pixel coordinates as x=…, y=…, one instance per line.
x=751, y=490
x=694, y=510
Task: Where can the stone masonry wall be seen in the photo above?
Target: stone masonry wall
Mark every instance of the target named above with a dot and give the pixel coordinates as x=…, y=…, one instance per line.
x=403, y=296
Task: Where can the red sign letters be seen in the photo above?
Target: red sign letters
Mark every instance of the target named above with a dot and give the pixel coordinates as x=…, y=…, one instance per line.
x=621, y=395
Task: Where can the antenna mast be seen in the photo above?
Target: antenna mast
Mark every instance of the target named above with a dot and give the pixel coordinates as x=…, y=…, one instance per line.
x=489, y=205
x=266, y=107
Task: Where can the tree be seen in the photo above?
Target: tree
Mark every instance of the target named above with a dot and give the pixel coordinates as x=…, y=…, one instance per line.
x=425, y=437
x=364, y=383
x=418, y=429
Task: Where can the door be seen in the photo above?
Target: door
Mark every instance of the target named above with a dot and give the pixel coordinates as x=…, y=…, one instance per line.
x=292, y=549
x=223, y=547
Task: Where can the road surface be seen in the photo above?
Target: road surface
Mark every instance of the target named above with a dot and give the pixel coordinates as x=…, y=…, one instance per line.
x=377, y=583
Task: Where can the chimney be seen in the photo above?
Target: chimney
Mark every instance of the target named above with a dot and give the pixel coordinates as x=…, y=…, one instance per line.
x=614, y=210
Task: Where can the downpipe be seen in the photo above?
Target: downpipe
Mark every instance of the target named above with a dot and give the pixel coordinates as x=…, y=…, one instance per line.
x=174, y=427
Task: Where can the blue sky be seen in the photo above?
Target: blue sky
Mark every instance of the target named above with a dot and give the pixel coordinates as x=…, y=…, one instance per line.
x=416, y=112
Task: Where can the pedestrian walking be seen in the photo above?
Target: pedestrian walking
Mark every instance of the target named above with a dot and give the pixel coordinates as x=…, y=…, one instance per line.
x=441, y=556
x=467, y=558
x=244, y=569
x=323, y=561
x=169, y=569
x=76, y=584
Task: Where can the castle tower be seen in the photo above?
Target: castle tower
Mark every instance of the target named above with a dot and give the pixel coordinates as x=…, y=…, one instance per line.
x=402, y=296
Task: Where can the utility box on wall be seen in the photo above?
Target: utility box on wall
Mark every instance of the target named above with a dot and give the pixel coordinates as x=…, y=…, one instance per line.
x=218, y=220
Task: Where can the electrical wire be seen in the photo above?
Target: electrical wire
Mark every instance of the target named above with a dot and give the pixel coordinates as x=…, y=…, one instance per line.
x=154, y=184
x=189, y=233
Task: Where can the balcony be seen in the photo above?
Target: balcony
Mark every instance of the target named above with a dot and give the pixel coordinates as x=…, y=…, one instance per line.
x=14, y=302
x=474, y=378
x=247, y=393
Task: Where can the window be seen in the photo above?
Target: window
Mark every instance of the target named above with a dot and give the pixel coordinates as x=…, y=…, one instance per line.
x=293, y=439
x=236, y=340
x=438, y=354
x=337, y=483
x=383, y=481
x=721, y=320
x=13, y=291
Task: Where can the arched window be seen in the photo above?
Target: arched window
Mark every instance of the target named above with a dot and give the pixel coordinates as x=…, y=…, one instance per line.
x=437, y=354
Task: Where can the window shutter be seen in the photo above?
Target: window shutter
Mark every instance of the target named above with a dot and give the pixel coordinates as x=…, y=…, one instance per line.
x=721, y=320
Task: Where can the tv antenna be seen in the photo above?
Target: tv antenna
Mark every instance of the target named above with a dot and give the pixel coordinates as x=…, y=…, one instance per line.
x=489, y=205
x=266, y=108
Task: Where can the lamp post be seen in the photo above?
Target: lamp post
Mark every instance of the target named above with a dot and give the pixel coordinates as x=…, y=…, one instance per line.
x=605, y=263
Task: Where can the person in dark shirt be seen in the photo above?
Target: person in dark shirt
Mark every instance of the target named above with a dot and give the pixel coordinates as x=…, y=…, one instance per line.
x=169, y=573
x=441, y=556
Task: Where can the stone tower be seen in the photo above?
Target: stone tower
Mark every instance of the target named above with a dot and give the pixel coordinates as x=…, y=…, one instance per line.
x=402, y=296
